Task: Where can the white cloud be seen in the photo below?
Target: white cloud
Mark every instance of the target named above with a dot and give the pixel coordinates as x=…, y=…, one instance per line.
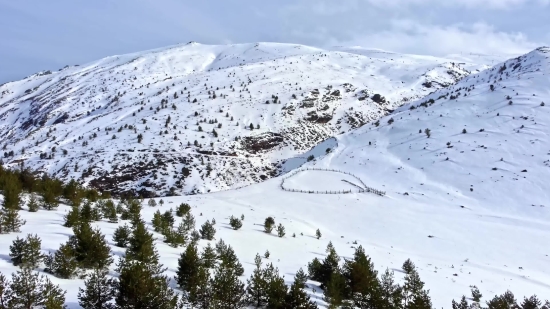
x=484, y=4
x=410, y=36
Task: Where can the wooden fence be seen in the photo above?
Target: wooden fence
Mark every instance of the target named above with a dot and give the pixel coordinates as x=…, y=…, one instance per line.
x=359, y=189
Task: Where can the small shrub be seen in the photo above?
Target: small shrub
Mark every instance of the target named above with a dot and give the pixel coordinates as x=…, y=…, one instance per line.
x=235, y=223
x=268, y=224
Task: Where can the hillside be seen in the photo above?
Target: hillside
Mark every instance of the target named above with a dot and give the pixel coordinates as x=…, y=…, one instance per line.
x=178, y=120
x=467, y=207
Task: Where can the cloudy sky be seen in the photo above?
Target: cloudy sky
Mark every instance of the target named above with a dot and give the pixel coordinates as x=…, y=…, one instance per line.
x=38, y=35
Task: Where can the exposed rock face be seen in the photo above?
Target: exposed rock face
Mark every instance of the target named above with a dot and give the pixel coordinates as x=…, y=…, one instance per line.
x=378, y=98
x=262, y=142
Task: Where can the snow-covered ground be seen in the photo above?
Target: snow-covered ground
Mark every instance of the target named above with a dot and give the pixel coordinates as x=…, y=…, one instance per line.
x=468, y=208
x=86, y=120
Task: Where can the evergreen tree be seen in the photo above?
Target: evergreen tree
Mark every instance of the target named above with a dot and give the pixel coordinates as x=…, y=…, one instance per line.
x=25, y=290
x=229, y=259
x=33, y=203
x=26, y=253
x=86, y=212
x=168, y=219
x=256, y=287
x=207, y=231
x=296, y=297
x=4, y=291
x=90, y=247
x=50, y=195
x=72, y=218
x=199, y=295
x=183, y=209
x=141, y=247
x=408, y=267
x=531, y=303
x=362, y=280
x=157, y=222
x=391, y=294
x=110, y=212
x=121, y=236
x=54, y=296
x=300, y=278
x=476, y=294
x=227, y=290
x=235, y=223
x=318, y=234
x=64, y=262
x=188, y=266
x=208, y=257
x=188, y=222
x=281, y=230
x=413, y=291
x=11, y=190
x=10, y=221
x=152, y=203
x=141, y=285
x=276, y=288
x=98, y=291
x=335, y=290
x=462, y=305
x=268, y=224
x=504, y=301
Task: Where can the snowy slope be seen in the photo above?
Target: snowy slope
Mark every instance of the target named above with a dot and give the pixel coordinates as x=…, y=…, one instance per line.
x=93, y=114
x=460, y=220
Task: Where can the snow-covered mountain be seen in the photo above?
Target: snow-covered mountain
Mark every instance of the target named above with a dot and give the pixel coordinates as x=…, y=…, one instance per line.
x=197, y=118
x=466, y=200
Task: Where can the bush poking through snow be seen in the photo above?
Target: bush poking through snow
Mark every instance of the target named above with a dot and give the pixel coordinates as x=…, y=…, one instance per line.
x=269, y=224
x=235, y=223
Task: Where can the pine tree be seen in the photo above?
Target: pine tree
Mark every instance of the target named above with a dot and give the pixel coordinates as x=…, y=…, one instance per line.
x=300, y=278
x=229, y=259
x=141, y=285
x=276, y=288
x=227, y=290
x=157, y=222
x=235, y=223
x=98, y=291
x=476, y=294
x=335, y=289
x=183, y=209
x=64, y=262
x=11, y=191
x=268, y=224
x=504, y=301
x=25, y=290
x=86, y=210
x=26, y=253
x=408, y=267
x=391, y=294
x=4, y=291
x=413, y=291
x=296, y=297
x=168, y=219
x=208, y=257
x=281, y=230
x=110, y=212
x=188, y=266
x=141, y=247
x=152, y=203
x=17, y=250
x=462, y=305
x=531, y=303
x=10, y=221
x=90, y=247
x=362, y=280
x=318, y=234
x=49, y=195
x=199, y=295
x=121, y=236
x=32, y=205
x=72, y=218
x=188, y=222
x=256, y=287
x=54, y=296
x=207, y=231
